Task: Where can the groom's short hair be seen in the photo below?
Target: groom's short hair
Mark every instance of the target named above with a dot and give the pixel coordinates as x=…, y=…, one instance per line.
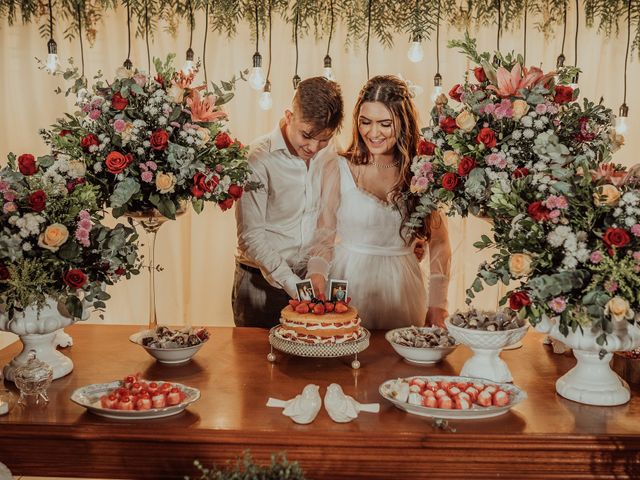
x=319, y=102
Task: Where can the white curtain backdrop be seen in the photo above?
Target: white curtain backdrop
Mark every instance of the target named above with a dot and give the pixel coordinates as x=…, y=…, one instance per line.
x=197, y=251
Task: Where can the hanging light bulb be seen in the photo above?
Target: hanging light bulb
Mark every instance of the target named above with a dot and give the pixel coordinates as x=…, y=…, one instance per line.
x=437, y=87
x=128, y=64
x=574, y=81
x=256, y=77
x=52, y=58
x=415, y=53
x=326, y=71
x=560, y=60
x=621, y=120
x=188, y=64
x=266, y=102
x=296, y=81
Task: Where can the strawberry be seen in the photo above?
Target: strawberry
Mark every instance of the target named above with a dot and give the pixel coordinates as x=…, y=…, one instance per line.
x=294, y=303
x=322, y=297
x=318, y=309
x=328, y=307
x=500, y=398
x=341, y=308
x=484, y=399
x=462, y=403
x=302, y=308
x=445, y=402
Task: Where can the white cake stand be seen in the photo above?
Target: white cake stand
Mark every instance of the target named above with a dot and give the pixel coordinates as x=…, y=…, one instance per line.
x=327, y=350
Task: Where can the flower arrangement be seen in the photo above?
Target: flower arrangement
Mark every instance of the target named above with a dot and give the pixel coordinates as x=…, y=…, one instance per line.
x=151, y=143
x=509, y=122
x=52, y=241
x=572, y=236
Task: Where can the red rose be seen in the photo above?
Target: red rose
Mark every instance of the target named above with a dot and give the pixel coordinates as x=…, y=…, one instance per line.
x=27, y=164
x=120, y=271
x=75, y=278
x=119, y=102
x=223, y=140
x=615, y=237
x=64, y=133
x=202, y=185
x=89, y=141
x=235, y=191
x=226, y=204
x=38, y=201
x=466, y=165
x=117, y=162
x=4, y=273
x=487, y=137
x=517, y=300
x=456, y=92
x=564, y=94
x=72, y=184
x=520, y=172
x=449, y=181
x=159, y=140
x=426, y=148
x=538, y=212
x=478, y=72
x=448, y=125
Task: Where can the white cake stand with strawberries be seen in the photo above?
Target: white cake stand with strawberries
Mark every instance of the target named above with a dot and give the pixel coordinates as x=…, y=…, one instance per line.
x=319, y=328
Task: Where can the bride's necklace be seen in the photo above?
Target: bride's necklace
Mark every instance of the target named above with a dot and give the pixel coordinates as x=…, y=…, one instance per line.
x=385, y=165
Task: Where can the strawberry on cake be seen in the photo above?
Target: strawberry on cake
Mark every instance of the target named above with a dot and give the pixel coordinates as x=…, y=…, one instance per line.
x=319, y=321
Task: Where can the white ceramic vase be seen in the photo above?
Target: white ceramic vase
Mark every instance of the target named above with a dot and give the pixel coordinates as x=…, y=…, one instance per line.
x=592, y=381
x=37, y=330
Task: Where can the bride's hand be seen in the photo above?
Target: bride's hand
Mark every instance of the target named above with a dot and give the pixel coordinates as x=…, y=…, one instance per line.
x=319, y=283
x=436, y=316
x=419, y=249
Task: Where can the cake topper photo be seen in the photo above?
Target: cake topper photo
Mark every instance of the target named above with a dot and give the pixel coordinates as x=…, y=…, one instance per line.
x=305, y=290
x=338, y=289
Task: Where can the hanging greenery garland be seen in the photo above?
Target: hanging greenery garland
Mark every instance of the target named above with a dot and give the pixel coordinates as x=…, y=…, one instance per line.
x=389, y=19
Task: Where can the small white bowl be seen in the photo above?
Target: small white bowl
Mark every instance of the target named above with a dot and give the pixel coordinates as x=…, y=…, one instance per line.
x=419, y=355
x=169, y=356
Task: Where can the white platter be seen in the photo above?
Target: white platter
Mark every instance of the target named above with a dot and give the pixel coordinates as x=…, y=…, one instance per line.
x=169, y=356
x=89, y=398
x=476, y=411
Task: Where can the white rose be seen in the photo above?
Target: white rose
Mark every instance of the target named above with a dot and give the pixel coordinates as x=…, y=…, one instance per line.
x=451, y=158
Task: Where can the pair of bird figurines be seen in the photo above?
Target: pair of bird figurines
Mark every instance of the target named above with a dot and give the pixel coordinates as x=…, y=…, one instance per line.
x=304, y=408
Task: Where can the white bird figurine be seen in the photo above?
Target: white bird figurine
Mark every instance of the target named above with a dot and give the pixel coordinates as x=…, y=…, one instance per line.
x=303, y=408
x=344, y=408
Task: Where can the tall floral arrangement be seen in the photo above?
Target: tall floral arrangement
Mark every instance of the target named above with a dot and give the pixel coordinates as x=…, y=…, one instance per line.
x=154, y=142
x=502, y=123
x=52, y=239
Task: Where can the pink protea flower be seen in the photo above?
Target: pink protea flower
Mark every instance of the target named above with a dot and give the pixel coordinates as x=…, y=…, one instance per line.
x=204, y=110
x=608, y=173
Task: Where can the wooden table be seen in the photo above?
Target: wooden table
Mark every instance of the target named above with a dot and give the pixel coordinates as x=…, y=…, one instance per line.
x=546, y=436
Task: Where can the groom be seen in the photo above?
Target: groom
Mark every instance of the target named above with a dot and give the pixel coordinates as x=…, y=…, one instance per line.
x=276, y=222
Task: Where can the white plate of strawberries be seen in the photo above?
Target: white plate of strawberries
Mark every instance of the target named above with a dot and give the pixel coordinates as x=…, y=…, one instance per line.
x=451, y=397
x=135, y=398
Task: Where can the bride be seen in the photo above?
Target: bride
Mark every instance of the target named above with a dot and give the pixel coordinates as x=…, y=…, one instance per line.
x=361, y=236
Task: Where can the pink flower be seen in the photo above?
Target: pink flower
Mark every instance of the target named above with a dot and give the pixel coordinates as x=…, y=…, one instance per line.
x=558, y=304
x=147, y=176
x=636, y=230
x=504, y=109
x=204, y=110
x=489, y=108
x=152, y=165
x=611, y=286
x=511, y=82
x=219, y=168
x=636, y=256
x=425, y=169
x=142, y=167
x=140, y=79
x=119, y=125
x=83, y=237
x=94, y=114
x=552, y=109
x=596, y=256
x=84, y=215
x=554, y=213
x=4, y=186
x=85, y=224
x=496, y=160
x=9, y=207
x=422, y=182
x=556, y=201
x=9, y=196
x=608, y=173
x=541, y=109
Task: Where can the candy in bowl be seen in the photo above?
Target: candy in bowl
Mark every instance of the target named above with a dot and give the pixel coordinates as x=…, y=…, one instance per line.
x=421, y=345
x=486, y=333
x=171, y=346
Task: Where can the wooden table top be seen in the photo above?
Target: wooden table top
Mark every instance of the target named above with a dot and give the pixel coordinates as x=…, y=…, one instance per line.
x=544, y=436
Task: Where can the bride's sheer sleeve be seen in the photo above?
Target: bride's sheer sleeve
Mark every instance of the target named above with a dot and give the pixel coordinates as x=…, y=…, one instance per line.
x=320, y=249
x=440, y=262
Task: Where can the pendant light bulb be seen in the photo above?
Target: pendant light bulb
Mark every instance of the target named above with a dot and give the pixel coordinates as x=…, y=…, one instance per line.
x=621, y=120
x=437, y=87
x=188, y=64
x=415, y=53
x=266, y=102
x=53, y=65
x=327, y=72
x=256, y=77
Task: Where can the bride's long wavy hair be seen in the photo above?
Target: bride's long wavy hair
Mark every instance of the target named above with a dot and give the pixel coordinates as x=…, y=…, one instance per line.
x=394, y=94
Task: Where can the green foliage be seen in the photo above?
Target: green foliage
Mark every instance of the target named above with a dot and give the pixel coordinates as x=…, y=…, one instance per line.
x=246, y=469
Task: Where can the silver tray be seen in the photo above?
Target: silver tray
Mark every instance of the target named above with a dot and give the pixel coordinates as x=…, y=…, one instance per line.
x=329, y=350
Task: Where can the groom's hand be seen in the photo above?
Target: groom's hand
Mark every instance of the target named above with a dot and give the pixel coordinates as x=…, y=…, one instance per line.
x=319, y=283
x=436, y=317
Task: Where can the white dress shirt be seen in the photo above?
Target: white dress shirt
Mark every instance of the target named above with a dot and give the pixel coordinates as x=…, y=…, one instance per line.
x=276, y=222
